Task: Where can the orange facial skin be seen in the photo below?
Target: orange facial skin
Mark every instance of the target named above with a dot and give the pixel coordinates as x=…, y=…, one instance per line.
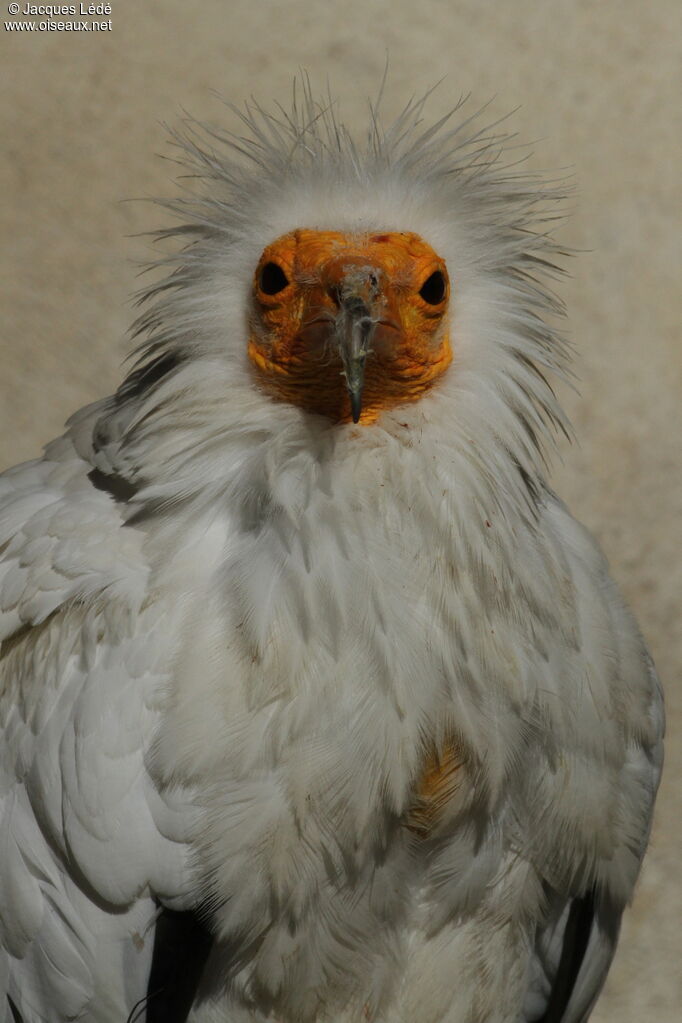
x=303, y=284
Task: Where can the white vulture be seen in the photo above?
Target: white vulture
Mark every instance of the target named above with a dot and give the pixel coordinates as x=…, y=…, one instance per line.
x=317, y=704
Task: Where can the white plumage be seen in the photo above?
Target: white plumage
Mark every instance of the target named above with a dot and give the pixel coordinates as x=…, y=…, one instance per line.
x=363, y=698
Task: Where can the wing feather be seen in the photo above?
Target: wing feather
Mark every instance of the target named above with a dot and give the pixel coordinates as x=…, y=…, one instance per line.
x=85, y=827
x=615, y=739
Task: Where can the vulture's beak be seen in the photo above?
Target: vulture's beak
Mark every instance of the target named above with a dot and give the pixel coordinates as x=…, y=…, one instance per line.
x=359, y=300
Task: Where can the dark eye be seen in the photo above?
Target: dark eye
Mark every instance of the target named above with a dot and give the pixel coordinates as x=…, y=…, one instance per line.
x=433, y=288
x=272, y=279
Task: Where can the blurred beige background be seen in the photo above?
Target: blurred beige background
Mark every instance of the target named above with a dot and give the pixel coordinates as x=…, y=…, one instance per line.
x=598, y=85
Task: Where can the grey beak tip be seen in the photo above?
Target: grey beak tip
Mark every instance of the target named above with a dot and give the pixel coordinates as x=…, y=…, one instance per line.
x=355, y=406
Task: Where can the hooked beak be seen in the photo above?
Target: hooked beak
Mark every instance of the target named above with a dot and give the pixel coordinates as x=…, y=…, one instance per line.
x=359, y=299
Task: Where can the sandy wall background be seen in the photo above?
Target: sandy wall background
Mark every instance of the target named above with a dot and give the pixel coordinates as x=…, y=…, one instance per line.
x=597, y=84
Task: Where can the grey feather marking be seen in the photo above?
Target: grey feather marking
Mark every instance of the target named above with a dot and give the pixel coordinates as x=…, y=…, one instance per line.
x=576, y=936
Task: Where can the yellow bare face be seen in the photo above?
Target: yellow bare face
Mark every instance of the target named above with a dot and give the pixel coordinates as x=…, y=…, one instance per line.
x=347, y=325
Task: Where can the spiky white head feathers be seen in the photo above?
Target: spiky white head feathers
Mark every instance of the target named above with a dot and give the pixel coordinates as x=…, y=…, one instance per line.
x=301, y=168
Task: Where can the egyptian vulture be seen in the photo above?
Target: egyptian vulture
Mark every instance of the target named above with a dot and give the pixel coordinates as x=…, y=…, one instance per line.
x=318, y=706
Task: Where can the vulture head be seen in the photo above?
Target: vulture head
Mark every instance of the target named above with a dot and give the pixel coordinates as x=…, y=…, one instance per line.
x=344, y=291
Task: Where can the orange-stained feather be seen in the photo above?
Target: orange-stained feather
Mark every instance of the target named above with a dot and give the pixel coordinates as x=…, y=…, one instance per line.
x=437, y=785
